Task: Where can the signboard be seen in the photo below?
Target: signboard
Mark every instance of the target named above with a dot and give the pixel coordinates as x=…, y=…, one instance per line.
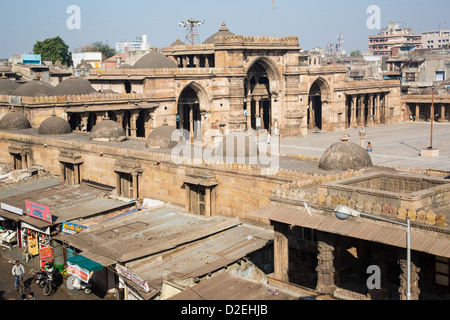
x=78, y=272
x=46, y=254
x=72, y=228
x=33, y=246
x=128, y=274
x=38, y=211
x=12, y=209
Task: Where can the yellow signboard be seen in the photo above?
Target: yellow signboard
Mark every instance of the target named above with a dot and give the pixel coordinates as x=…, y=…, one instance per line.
x=33, y=246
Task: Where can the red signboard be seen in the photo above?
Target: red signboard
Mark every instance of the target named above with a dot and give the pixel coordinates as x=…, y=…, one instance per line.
x=46, y=255
x=38, y=211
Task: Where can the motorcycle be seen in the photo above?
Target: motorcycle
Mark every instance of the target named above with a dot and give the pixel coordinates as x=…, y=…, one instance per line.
x=75, y=283
x=40, y=278
x=48, y=279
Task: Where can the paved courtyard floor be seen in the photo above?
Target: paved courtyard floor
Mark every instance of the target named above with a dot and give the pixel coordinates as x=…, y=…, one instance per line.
x=394, y=145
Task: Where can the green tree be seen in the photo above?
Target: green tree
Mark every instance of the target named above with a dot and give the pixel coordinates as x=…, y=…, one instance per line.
x=98, y=46
x=356, y=53
x=53, y=49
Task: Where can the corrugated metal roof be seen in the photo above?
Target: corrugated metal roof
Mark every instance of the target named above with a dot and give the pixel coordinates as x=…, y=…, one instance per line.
x=66, y=202
x=230, y=287
x=159, y=230
x=204, y=256
x=421, y=240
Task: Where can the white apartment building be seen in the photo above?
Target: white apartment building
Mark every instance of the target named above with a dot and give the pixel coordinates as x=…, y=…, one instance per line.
x=435, y=39
x=139, y=44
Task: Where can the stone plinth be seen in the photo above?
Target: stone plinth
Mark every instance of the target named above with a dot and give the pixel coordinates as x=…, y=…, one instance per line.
x=430, y=153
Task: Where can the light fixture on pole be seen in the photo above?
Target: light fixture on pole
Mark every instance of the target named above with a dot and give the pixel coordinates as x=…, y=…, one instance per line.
x=343, y=213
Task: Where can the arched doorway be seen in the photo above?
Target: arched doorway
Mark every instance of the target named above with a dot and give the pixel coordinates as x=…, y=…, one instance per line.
x=75, y=122
x=127, y=86
x=189, y=115
x=315, y=107
x=92, y=121
x=140, y=124
x=258, y=105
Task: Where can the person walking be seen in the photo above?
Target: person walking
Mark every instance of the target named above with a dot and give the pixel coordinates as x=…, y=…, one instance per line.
x=18, y=271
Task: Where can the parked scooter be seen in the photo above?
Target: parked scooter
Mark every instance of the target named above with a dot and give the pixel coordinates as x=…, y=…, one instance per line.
x=75, y=283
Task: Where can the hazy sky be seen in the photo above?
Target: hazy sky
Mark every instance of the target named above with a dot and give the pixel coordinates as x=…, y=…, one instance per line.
x=316, y=23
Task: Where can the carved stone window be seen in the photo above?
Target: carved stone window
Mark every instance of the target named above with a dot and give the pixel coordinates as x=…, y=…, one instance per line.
x=70, y=168
x=200, y=192
x=127, y=185
x=20, y=157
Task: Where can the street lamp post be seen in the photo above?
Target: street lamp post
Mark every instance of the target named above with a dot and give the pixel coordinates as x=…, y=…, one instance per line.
x=344, y=212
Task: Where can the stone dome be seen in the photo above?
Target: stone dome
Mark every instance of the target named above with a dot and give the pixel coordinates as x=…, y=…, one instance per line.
x=244, y=145
x=178, y=43
x=33, y=88
x=222, y=32
x=154, y=60
x=107, y=130
x=161, y=138
x=345, y=155
x=73, y=86
x=54, y=125
x=126, y=66
x=14, y=121
x=7, y=86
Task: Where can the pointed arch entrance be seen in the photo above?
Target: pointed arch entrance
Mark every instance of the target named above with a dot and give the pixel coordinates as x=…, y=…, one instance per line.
x=191, y=103
x=318, y=96
x=262, y=80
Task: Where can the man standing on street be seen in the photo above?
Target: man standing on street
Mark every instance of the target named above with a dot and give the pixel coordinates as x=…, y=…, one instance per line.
x=18, y=271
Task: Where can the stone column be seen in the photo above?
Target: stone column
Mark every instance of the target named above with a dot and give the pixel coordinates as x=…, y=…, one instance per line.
x=249, y=113
x=118, y=184
x=377, y=109
x=312, y=116
x=24, y=160
x=415, y=290
x=442, y=119
x=76, y=171
x=325, y=266
x=207, y=61
x=417, y=112
x=353, y=123
x=371, y=107
x=257, y=103
x=261, y=113
x=133, y=126
x=360, y=118
x=188, y=198
x=135, y=185
x=281, y=251
x=208, y=202
x=191, y=123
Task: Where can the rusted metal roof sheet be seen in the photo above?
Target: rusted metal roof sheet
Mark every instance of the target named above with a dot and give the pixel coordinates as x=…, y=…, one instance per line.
x=421, y=240
x=145, y=233
x=204, y=256
x=66, y=202
x=230, y=287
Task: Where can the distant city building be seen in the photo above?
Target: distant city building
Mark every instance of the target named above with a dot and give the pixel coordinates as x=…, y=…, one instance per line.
x=393, y=36
x=435, y=39
x=27, y=59
x=92, y=58
x=139, y=44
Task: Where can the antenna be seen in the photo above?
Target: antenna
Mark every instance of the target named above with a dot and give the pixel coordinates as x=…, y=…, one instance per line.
x=191, y=30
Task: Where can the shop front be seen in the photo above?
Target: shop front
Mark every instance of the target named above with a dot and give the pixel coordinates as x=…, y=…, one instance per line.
x=10, y=225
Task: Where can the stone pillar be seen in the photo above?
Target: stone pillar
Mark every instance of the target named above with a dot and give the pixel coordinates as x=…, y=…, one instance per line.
x=135, y=185
x=281, y=251
x=257, y=102
x=415, y=290
x=371, y=107
x=191, y=123
x=84, y=122
x=442, y=119
x=360, y=106
x=133, y=126
x=188, y=198
x=24, y=160
x=417, y=112
x=249, y=113
x=208, y=202
x=261, y=112
x=118, y=184
x=76, y=171
x=207, y=61
x=353, y=123
x=377, y=109
x=378, y=258
x=325, y=266
x=312, y=116
x=184, y=61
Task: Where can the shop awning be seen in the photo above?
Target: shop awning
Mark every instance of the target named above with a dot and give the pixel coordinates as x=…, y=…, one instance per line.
x=85, y=263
